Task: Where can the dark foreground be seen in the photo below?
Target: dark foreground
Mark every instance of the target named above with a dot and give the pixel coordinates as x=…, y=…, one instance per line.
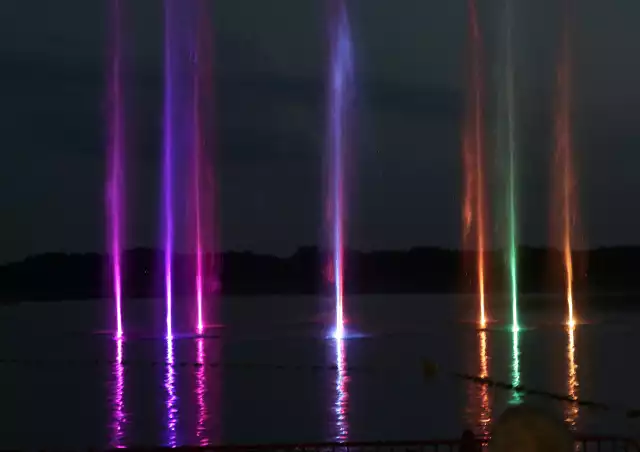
x=583, y=444
x=271, y=376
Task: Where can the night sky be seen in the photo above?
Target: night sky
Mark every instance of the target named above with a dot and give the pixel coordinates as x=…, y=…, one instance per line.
x=270, y=78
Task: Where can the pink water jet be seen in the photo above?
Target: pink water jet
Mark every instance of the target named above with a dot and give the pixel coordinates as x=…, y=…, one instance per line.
x=115, y=155
x=197, y=153
x=203, y=190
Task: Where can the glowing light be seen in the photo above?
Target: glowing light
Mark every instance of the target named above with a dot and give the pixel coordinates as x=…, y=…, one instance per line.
x=474, y=209
x=202, y=177
x=565, y=180
x=341, y=72
x=512, y=208
x=341, y=405
x=573, y=409
x=115, y=151
x=565, y=175
x=168, y=163
x=119, y=417
x=507, y=143
x=201, y=392
x=172, y=399
x=198, y=206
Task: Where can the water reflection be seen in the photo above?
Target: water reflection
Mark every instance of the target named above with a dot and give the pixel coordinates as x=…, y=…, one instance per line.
x=516, y=397
x=484, y=417
x=478, y=410
x=118, y=415
x=572, y=408
x=201, y=391
x=341, y=404
x=172, y=399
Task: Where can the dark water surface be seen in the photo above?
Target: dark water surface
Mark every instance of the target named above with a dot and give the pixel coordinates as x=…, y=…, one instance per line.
x=67, y=389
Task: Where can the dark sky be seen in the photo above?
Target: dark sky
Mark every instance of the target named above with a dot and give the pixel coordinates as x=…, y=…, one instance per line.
x=270, y=54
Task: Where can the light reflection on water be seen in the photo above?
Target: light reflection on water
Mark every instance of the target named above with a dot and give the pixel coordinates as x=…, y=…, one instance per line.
x=118, y=415
x=478, y=411
x=138, y=407
x=572, y=409
x=341, y=405
x=516, y=397
x=172, y=399
x=484, y=418
x=201, y=392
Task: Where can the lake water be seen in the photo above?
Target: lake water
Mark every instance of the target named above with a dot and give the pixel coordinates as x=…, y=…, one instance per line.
x=64, y=385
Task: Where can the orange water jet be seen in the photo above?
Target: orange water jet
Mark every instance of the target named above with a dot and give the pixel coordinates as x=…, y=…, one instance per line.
x=474, y=208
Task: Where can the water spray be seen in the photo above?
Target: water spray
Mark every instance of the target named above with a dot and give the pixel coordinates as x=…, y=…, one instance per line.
x=340, y=80
x=115, y=152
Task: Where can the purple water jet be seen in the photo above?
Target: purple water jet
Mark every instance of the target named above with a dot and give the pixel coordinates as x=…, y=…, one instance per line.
x=115, y=155
x=339, y=93
x=168, y=151
x=187, y=179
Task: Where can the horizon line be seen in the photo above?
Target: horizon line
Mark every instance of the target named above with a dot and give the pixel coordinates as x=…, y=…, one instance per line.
x=318, y=248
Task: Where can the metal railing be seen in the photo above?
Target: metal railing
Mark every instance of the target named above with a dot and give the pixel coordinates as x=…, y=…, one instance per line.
x=583, y=444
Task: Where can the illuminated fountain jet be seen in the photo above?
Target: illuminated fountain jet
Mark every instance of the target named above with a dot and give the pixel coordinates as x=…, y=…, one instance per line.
x=508, y=148
x=116, y=154
x=565, y=207
x=340, y=92
x=474, y=207
x=202, y=175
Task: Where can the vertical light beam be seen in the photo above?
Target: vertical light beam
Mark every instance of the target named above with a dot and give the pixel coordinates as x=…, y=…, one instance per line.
x=168, y=163
x=474, y=208
x=201, y=81
x=115, y=151
x=563, y=162
x=340, y=80
x=197, y=152
x=565, y=180
x=202, y=171
x=512, y=212
x=507, y=147
x=512, y=168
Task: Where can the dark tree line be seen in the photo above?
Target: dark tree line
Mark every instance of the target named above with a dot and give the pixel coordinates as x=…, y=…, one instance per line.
x=419, y=270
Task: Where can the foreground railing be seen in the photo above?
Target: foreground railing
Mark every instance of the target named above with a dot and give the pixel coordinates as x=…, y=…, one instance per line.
x=583, y=444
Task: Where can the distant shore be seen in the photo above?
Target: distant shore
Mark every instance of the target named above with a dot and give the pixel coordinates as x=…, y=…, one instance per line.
x=53, y=277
